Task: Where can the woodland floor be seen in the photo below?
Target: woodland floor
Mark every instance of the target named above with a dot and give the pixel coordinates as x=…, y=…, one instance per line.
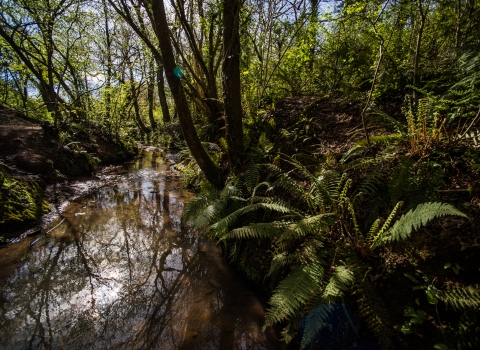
x=317, y=129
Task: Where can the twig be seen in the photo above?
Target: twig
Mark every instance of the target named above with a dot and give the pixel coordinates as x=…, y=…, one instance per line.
x=471, y=124
x=35, y=241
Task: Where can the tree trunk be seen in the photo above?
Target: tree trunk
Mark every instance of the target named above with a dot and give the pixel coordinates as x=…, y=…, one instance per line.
x=150, y=94
x=161, y=93
x=133, y=98
x=423, y=16
x=206, y=164
x=108, y=82
x=231, y=84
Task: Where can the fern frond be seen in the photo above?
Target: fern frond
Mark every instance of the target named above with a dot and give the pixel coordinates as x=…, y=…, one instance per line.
x=331, y=181
x=343, y=191
x=209, y=215
x=252, y=169
x=352, y=151
x=374, y=179
x=311, y=225
x=373, y=310
x=415, y=218
x=400, y=180
x=386, y=224
x=318, y=195
x=285, y=182
x=197, y=205
x=311, y=251
x=462, y=298
x=315, y=321
x=221, y=227
x=260, y=230
x=300, y=167
x=358, y=233
x=293, y=293
x=340, y=281
x=373, y=230
x=371, y=306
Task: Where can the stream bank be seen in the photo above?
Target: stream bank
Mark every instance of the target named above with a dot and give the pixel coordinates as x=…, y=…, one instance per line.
x=40, y=168
x=119, y=271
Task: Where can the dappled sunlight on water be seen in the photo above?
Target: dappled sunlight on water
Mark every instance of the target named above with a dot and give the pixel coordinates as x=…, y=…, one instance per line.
x=120, y=273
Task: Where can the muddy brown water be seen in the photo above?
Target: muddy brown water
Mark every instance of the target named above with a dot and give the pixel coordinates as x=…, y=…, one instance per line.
x=120, y=272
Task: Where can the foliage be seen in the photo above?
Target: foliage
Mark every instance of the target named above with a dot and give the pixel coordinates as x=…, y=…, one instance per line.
x=319, y=249
x=21, y=201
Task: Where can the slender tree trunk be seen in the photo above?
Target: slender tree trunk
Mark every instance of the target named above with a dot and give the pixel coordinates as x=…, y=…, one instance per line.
x=25, y=97
x=423, y=16
x=150, y=94
x=162, y=97
x=136, y=107
x=206, y=164
x=231, y=83
x=370, y=94
x=108, y=83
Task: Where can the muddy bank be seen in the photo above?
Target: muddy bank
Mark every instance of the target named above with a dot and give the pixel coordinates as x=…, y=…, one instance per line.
x=61, y=194
x=41, y=169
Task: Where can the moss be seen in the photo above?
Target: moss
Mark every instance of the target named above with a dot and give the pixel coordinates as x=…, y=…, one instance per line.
x=73, y=161
x=126, y=148
x=21, y=201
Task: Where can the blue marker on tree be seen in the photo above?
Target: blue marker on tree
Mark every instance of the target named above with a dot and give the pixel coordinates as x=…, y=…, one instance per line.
x=178, y=72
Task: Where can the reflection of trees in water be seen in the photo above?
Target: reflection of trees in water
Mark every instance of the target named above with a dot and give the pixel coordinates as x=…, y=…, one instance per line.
x=119, y=277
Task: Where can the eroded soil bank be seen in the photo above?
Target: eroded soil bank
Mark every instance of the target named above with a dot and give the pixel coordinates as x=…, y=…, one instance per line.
x=42, y=169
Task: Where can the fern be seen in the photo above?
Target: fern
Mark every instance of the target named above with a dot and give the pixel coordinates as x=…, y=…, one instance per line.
x=372, y=233
x=340, y=281
x=371, y=306
x=197, y=205
x=209, y=215
x=315, y=321
x=352, y=151
x=400, y=180
x=311, y=251
x=332, y=180
x=330, y=326
x=466, y=333
x=462, y=298
x=415, y=218
x=284, y=181
x=259, y=230
x=373, y=310
x=358, y=233
x=221, y=226
x=310, y=225
x=293, y=293
x=386, y=224
x=252, y=169
x=374, y=179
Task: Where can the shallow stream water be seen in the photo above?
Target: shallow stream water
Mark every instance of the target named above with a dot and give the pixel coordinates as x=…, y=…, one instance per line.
x=119, y=271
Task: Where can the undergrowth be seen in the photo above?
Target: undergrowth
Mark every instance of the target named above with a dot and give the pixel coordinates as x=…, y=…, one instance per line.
x=328, y=237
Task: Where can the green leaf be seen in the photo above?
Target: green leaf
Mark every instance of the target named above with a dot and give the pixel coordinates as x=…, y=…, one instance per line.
x=432, y=297
x=409, y=311
x=440, y=346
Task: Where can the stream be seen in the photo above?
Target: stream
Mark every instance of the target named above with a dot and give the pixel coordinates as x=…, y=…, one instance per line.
x=119, y=271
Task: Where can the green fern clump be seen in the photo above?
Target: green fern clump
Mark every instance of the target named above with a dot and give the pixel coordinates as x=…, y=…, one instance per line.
x=319, y=252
